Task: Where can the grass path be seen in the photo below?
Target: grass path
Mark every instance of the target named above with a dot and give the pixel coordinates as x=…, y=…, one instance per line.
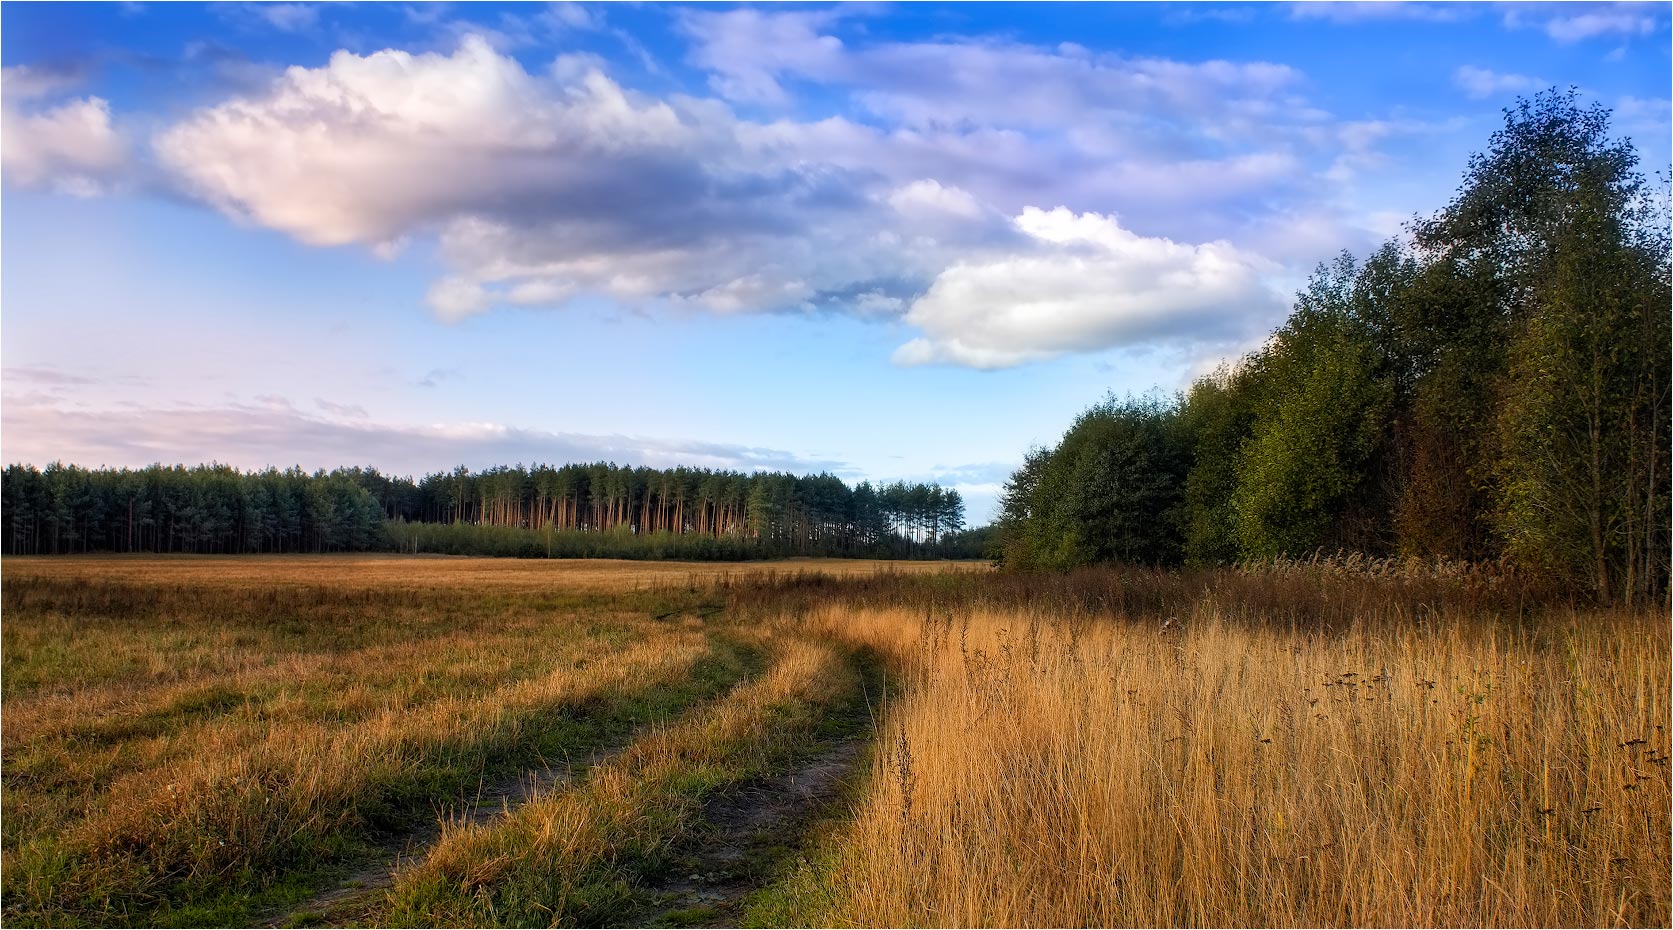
x=752, y=830
x=740, y=834
x=613, y=845
x=195, y=752
x=746, y=835
x=395, y=712
x=362, y=893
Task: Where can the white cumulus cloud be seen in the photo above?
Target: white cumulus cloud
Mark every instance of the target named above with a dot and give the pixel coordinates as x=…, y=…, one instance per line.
x=368, y=147
x=544, y=185
x=72, y=147
x=539, y=187
x=929, y=195
x=1084, y=283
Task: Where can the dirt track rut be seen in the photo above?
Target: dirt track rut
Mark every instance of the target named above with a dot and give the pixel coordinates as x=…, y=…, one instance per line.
x=748, y=830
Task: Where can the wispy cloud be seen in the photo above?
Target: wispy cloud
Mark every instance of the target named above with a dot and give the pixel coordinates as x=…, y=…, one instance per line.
x=54, y=377
x=1640, y=114
x=273, y=431
x=1191, y=14
x=353, y=411
x=1599, y=22
x=282, y=16
x=1564, y=22
x=436, y=376
x=1378, y=11
x=45, y=376
x=1480, y=83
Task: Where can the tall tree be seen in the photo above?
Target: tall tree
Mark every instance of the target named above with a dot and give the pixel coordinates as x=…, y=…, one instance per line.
x=1563, y=252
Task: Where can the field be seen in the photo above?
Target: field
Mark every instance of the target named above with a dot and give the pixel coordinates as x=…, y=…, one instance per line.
x=417, y=741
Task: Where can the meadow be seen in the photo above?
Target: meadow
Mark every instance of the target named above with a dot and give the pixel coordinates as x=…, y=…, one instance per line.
x=436, y=741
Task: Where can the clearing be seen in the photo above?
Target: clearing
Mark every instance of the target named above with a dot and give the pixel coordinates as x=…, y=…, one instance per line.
x=466, y=742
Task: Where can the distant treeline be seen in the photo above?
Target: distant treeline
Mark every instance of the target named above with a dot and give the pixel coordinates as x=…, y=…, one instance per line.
x=1495, y=390
x=569, y=510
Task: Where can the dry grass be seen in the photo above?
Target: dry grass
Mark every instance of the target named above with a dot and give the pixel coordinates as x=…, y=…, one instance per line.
x=172, y=743
x=190, y=740
x=1047, y=769
x=570, y=857
x=385, y=572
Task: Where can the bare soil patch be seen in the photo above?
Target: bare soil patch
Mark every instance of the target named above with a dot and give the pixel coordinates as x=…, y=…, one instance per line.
x=748, y=830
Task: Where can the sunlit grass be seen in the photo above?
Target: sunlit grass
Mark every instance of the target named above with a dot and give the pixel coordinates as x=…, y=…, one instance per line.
x=571, y=857
x=206, y=740
x=1046, y=769
x=487, y=577
x=168, y=742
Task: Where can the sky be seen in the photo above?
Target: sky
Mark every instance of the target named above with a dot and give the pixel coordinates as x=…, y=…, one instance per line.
x=885, y=241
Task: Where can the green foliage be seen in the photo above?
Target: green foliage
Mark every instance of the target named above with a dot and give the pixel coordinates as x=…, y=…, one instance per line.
x=1217, y=417
x=1501, y=390
x=1320, y=408
x=1566, y=439
x=1584, y=423
x=523, y=543
x=1454, y=356
x=600, y=510
x=1111, y=491
x=973, y=543
x=207, y=509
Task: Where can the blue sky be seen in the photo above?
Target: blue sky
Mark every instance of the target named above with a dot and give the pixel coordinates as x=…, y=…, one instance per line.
x=889, y=241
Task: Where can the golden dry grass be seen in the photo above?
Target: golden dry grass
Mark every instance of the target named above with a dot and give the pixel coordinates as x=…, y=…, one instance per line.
x=567, y=858
x=420, y=571
x=172, y=740
x=1290, y=748
x=1052, y=770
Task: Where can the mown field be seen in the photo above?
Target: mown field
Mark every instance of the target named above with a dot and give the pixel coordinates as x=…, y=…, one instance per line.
x=423, y=741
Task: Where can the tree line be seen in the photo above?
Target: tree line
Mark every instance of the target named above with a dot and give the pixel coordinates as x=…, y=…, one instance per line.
x=218, y=509
x=802, y=512
x=1494, y=387
x=206, y=509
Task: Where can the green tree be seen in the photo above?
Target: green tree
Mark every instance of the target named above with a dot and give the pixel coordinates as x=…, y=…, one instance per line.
x=1552, y=394
x=1110, y=491
x=1217, y=417
x=1321, y=410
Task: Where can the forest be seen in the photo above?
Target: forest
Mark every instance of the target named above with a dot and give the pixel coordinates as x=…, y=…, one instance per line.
x=1494, y=390
x=600, y=510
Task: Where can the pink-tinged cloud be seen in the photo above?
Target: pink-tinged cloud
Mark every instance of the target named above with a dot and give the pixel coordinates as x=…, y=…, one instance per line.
x=39, y=428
